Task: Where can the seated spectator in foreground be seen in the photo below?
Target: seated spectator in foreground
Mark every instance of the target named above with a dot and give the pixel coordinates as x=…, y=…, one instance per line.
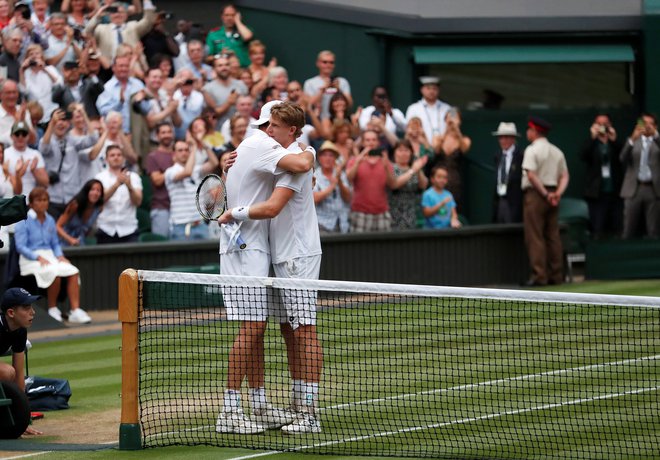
x=438, y=205
x=80, y=214
x=182, y=180
x=122, y=194
x=41, y=255
x=332, y=192
x=409, y=182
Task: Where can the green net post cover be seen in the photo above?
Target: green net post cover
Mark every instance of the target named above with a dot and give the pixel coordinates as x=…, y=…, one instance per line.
x=130, y=436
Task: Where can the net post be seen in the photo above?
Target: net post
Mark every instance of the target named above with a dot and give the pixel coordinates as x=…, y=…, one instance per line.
x=130, y=437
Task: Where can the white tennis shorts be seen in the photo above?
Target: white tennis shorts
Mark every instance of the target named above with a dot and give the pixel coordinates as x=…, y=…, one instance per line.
x=297, y=307
x=241, y=303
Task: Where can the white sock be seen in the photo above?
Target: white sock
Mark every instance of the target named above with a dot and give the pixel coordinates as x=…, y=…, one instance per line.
x=258, y=398
x=297, y=393
x=232, y=401
x=311, y=396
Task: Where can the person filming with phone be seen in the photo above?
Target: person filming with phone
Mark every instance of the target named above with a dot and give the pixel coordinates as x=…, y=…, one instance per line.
x=640, y=191
x=393, y=119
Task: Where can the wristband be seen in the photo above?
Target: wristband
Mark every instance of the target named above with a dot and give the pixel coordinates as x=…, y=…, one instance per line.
x=241, y=213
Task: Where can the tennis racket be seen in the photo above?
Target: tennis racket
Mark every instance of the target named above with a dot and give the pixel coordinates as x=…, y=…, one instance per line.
x=211, y=201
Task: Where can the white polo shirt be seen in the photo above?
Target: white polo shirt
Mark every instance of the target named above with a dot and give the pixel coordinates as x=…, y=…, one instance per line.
x=182, y=194
x=295, y=231
x=11, y=158
x=432, y=116
x=250, y=180
x=118, y=215
x=7, y=121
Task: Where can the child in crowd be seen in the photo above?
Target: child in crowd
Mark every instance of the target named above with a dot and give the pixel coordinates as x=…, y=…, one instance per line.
x=438, y=205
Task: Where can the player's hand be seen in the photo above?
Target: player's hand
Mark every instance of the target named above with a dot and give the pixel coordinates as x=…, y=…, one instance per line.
x=32, y=431
x=230, y=161
x=226, y=217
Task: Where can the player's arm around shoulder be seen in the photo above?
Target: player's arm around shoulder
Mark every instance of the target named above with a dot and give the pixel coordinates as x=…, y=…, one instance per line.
x=263, y=210
x=300, y=162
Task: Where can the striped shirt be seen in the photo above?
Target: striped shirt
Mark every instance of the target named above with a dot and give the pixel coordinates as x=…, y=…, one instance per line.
x=182, y=194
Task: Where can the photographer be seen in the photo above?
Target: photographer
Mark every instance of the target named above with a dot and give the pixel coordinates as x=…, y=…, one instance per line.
x=37, y=80
x=158, y=40
x=322, y=87
x=603, y=177
x=61, y=154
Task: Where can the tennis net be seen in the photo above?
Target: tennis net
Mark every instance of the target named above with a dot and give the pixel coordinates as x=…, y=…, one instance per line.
x=408, y=370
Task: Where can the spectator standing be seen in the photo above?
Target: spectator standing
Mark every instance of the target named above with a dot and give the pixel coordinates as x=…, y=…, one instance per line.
x=640, y=191
x=117, y=92
x=41, y=255
x=12, y=41
x=332, y=192
x=96, y=160
x=191, y=101
x=11, y=113
x=117, y=223
x=182, y=180
x=22, y=21
x=544, y=181
x=221, y=93
x=429, y=108
x=92, y=86
x=322, y=87
x=370, y=173
x=243, y=107
x=341, y=136
x=405, y=191
x=438, y=205
x=394, y=120
x=155, y=105
x=109, y=36
x=73, y=89
x=61, y=45
x=37, y=80
x=159, y=41
x=417, y=137
x=19, y=154
x=155, y=166
x=204, y=127
x=257, y=68
x=507, y=205
x=450, y=148
x=61, y=153
x=77, y=12
x=203, y=72
x=232, y=36
x=603, y=177
x=79, y=217
x=40, y=18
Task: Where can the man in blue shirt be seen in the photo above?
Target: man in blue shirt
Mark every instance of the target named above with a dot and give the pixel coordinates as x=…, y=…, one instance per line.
x=117, y=92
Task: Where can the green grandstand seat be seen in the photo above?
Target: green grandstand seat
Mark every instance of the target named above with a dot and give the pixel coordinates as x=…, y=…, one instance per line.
x=574, y=215
x=151, y=237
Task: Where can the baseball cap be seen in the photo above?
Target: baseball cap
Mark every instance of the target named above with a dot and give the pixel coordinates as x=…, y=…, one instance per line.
x=17, y=296
x=264, y=115
x=20, y=126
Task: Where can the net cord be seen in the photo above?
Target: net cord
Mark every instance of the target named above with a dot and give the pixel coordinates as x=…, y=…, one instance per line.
x=400, y=289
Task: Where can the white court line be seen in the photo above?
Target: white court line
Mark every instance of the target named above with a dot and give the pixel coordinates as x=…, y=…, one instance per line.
x=476, y=419
x=494, y=382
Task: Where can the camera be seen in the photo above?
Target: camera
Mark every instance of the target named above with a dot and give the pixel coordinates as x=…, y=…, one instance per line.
x=68, y=115
x=167, y=15
x=32, y=63
x=111, y=9
x=602, y=129
x=53, y=177
x=375, y=152
x=25, y=13
x=189, y=81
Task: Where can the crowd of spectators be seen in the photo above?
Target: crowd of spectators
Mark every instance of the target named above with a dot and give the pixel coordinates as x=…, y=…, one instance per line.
x=112, y=111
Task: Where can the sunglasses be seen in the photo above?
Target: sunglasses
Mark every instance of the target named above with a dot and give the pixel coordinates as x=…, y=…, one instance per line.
x=21, y=134
x=327, y=62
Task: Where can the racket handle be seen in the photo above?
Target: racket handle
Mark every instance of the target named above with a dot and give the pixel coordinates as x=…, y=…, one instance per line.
x=240, y=242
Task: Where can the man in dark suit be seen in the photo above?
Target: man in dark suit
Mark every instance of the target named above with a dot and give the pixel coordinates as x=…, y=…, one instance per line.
x=75, y=89
x=640, y=191
x=603, y=177
x=507, y=204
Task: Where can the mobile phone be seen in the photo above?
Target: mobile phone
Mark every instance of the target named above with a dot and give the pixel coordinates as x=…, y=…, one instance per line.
x=111, y=9
x=640, y=122
x=68, y=115
x=375, y=152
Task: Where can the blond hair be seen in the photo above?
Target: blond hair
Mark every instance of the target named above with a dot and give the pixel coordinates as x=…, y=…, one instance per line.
x=290, y=114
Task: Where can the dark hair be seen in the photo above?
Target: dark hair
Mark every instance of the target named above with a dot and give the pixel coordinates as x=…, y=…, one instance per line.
x=336, y=96
x=650, y=115
x=405, y=143
x=82, y=197
x=158, y=58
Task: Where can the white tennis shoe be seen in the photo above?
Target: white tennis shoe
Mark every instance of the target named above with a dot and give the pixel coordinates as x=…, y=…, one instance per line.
x=79, y=316
x=305, y=423
x=55, y=313
x=273, y=417
x=236, y=422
